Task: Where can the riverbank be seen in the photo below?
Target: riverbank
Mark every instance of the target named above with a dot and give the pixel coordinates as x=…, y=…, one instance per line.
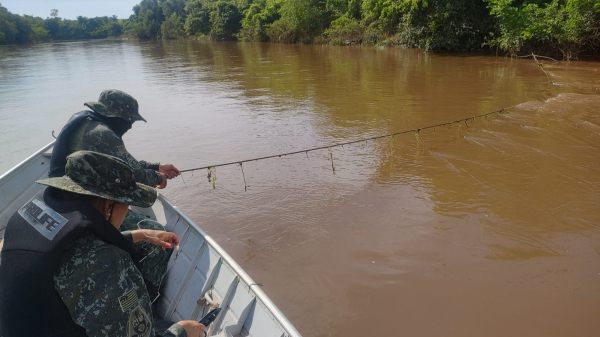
x=561, y=29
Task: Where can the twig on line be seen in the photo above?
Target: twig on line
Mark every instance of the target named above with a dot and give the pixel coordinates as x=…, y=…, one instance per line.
x=539, y=56
x=416, y=130
x=244, y=176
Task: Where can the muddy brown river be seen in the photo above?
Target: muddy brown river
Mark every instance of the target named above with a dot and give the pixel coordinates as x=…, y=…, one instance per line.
x=486, y=229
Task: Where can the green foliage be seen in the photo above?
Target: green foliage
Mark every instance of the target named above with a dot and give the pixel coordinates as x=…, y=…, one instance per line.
x=27, y=29
x=172, y=27
x=446, y=25
x=30, y=29
x=258, y=18
x=198, y=18
x=220, y=20
x=147, y=19
x=114, y=28
x=172, y=19
x=8, y=28
x=565, y=27
x=212, y=176
x=173, y=7
x=38, y=34
x=345, y=31
x=83, y=28
x=568, y=26
x=21, y=29
x=385, y=14
x=225, y=20
x=301, y=21
x=281, y=31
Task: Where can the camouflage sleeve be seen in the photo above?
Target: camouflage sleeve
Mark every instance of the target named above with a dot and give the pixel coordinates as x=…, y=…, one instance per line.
x=149, y=166
x=103, y=140
x=128, y=235
x=175, y=330
x=104, y=291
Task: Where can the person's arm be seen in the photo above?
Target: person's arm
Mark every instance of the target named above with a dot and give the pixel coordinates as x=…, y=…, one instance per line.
x=174, y=330
x=105, y=294
x=162, y=239
x=149, y=166
x=107, y=142
x=184, y=329
x=167, y=169
x=128, y=235
x=104, y=291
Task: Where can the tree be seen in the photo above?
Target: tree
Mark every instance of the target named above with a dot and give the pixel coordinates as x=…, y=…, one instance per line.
x=225, y=20
x=8, y=29
x=301, y=21
x=147, y=19
x=54, y=13
x=567, y=26
x=260, y=15
x=198, y=18
x=172, y=27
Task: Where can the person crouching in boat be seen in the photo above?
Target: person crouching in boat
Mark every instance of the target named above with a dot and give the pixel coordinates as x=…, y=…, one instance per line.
x=66, y=270
x=101, y=129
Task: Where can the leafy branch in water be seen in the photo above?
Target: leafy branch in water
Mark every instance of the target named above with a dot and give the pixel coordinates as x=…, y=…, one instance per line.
x=417, y=136
x=212, y=176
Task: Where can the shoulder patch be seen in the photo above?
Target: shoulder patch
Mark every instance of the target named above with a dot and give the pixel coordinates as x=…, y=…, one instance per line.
x=139, y=324
x=128, y=300
x=121, y=149
x=43, y=218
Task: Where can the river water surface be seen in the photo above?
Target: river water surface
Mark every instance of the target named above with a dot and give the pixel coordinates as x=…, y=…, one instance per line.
x=484, y=229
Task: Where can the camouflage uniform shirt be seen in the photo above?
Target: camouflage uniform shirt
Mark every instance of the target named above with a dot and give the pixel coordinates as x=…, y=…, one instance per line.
x=105, y=292
x=96, y=136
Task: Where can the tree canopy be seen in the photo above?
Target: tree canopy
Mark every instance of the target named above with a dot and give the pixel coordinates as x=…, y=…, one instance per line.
x=565, y=27
x=18, y=29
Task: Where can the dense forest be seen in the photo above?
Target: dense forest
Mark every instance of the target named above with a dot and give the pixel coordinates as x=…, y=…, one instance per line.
x=18, y=29
x=559, y=27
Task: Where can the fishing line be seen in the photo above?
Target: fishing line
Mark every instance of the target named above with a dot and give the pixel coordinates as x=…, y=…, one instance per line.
x=416, y=131
x=152, y=252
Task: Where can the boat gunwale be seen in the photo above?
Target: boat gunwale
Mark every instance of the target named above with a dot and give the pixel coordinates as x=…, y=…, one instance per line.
x=20, y=165
x=166, y=203
x=253, y=286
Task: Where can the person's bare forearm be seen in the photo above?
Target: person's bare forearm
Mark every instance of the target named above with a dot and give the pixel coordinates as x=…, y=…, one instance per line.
x=159, y=238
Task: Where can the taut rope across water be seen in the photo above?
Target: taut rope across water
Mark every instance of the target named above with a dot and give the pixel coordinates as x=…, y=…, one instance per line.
x=416, y=131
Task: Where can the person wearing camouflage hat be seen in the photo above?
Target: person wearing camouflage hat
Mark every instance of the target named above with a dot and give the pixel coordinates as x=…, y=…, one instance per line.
x=66, y=269
x=101, y=130
x=115, y=103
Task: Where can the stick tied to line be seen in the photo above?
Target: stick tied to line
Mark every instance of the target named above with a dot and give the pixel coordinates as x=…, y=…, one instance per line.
x=212, y=177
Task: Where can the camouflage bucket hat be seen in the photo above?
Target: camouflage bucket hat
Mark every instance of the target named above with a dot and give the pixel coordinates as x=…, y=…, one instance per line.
x=104, y=176
x=115, y=103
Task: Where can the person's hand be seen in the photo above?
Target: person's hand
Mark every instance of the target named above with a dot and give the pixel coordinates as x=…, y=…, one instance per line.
x=193, y=328
x=163, y=182
x=169, y=170
x=158, y=238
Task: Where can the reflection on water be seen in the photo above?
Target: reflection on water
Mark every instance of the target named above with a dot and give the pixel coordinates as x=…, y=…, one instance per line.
x=489, y=228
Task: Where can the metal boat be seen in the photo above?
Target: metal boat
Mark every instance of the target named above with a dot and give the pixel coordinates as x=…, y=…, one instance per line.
x=200, y=276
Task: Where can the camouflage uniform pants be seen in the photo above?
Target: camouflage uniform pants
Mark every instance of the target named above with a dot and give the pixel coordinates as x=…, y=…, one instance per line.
x=154, y=265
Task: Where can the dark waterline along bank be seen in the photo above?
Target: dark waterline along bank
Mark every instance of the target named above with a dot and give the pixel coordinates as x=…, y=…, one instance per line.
x=564, y=29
